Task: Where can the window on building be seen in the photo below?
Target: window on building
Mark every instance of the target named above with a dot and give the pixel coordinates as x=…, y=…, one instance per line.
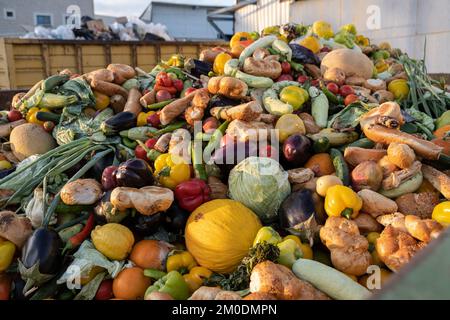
x=43, y=20
x=9, y=14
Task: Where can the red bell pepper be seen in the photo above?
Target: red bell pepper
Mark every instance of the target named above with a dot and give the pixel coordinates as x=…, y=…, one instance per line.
x=192, y=193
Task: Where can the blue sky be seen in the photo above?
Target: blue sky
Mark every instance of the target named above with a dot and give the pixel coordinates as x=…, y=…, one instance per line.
x=136, y=7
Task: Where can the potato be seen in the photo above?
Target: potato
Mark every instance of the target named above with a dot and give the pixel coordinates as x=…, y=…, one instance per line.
x=351, y=62
x=29, y=139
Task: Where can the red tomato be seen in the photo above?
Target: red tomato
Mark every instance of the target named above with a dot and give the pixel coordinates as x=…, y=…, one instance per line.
x=333, y=88
x=105, y=291
x=315, y=83
x=346, y=90
x=14, y=115
x=302, y=78
x=154, y=120
x=350, y=99
x=285, y=67
x=178, y=84
x=164, y=80
x=285, y=77
x=140, y=153
x=189, y=90
x=150, y=143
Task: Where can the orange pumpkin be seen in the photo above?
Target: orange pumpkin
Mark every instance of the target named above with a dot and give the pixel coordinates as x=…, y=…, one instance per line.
x=150, y=254
x=321, y=164
x=441, y=132
x=130, y=284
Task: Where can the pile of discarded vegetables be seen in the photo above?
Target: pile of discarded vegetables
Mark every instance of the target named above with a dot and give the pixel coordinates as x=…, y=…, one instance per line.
x=108, y=192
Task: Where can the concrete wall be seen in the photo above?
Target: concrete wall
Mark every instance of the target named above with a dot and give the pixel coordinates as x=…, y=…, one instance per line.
x=186, y=21
x=404, y=23
x=25, y=10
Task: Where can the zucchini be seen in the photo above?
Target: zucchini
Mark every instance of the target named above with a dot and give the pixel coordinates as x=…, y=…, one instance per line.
x=329, y=280
x=283, y=48
x=319, y=106
x=361, y=143
x=260, y=43
x=321, y=145
x=340, y=166
x=274, y=105
x=47, y=116
x=53, y=81
x=254, y=81
x=74, y=209
x=409, y=128
x=336, y=138
x=408, y=186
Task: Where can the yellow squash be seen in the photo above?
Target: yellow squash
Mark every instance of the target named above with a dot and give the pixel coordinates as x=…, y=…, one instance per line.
x=219, y=234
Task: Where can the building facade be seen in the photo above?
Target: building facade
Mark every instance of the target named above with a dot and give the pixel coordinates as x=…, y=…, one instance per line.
x=20, y=16
x=406, y=24
x=185, y=21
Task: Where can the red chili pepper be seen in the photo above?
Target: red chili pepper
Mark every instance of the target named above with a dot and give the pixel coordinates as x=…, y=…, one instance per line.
x=192, y=193
x=77, y=239
x=171, y=90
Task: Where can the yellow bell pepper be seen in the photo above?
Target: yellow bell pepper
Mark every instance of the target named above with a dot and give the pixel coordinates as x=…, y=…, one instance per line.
x=31, y=115
x=306, y=248
x=241, y=38
x=342, y=201
x=322, y=29
x=349, y=28
x=7, y=250
x=196, y=277
x=5, y=164
x=362, y=41
x=399, y=88
x=219, y=63
x=441, y=213
x=312, y=43
x=295, y=96
x=381, y=65
x=171, y=170
x=142, y=118
x=181, y=261
x=267, y=234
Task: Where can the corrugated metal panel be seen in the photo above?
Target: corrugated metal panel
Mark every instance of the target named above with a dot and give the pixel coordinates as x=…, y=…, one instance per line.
x=265, y=13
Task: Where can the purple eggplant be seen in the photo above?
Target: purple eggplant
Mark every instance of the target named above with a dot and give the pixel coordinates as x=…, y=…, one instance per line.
x=303, y=55
x=296, y=150
x=135, y=173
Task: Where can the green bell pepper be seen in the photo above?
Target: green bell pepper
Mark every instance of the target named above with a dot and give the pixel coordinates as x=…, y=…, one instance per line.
x=173, y=284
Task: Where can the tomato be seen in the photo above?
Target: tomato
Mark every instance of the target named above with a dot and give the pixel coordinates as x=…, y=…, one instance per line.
x=285, y=67
x=150, y=143
x=333, y=88
x=189, y=90
x=105, y=291
x=154, y=120
x=346, y=90
x=48, y=126
x=302, y=78
x=140, y=153
x=163, y=79
x=14, y=115
x=178, y=84
x=269, y=152
x=315, y=83
x=285, y=77
x=350, y=99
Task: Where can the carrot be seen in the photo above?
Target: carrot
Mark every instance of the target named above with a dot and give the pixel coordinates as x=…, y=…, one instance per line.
x=148, y=98
x=77, y=239
x=133, y=105
x=108, y=88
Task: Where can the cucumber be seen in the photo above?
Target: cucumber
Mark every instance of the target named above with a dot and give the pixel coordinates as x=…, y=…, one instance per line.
x=408, y=186
x=329, y=280
x=340, y=166
x=321, y=145
x=336, y=138
x=283, y=48
x=319, y=106
x=274, y=105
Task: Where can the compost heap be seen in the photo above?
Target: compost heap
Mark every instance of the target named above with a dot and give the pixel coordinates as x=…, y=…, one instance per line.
x=107, y=192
